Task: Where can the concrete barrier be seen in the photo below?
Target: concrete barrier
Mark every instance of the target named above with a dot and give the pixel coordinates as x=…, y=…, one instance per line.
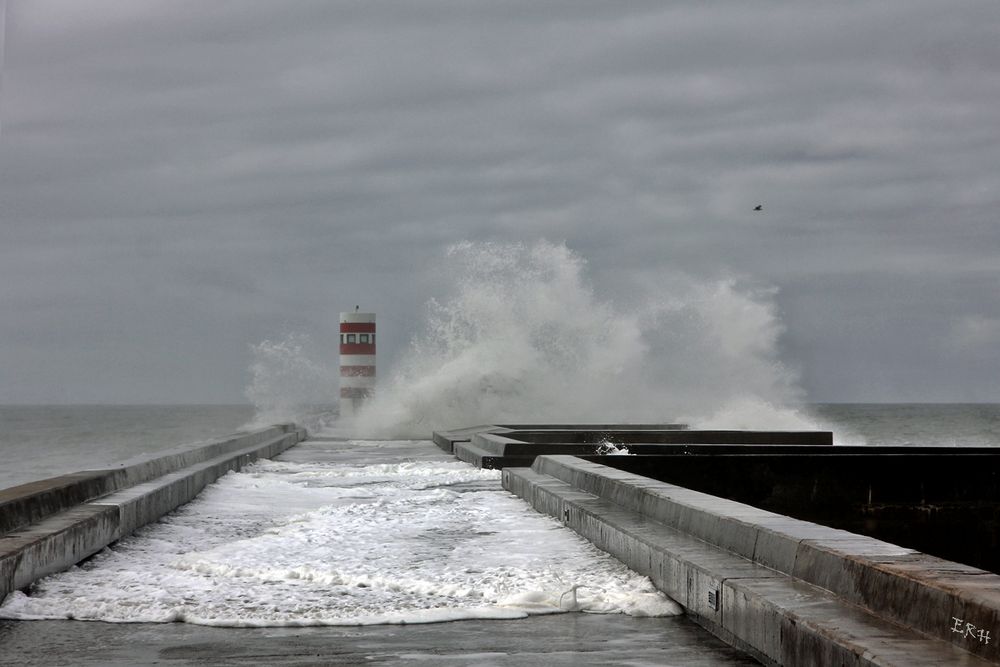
x=447, y=439
x=787, y=591
x=26, y=503
x=668, y=434
x=497, y=447
x=62, y=521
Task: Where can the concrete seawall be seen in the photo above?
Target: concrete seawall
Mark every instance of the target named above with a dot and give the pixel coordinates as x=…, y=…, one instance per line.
x=785, y=590
x=49, y=525
x=495, y=448
x=789, y=592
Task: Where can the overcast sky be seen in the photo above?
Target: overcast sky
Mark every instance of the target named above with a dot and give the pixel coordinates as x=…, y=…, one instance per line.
x=180, y=180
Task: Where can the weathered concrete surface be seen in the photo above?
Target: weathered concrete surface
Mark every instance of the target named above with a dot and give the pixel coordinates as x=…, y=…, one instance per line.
x=666, y=434
x=26, y=503
x=20, y=505
x=618, y=426
x=900, y=584
x=788, y=591
x=496, y=447
x=66, y=537
x=561, y=640
x=943, y=501
x=446, y=439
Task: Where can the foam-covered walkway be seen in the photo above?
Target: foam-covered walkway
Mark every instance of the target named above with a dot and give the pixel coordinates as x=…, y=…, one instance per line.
x=336, y=532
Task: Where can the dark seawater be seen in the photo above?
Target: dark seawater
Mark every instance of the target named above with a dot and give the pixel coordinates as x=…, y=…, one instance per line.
x=44, y=441
x=917, y=424
x=48, y=440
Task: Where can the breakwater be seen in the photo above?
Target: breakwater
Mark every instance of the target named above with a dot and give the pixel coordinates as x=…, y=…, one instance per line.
x=786, y=590
x=738, y=527
x=49, y=525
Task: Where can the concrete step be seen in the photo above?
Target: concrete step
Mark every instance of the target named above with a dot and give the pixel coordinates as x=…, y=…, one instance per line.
x=926, y=593
x=772, y=615
x=64, y=538
x=21, y=505
x=446, y=439
x=475, y=455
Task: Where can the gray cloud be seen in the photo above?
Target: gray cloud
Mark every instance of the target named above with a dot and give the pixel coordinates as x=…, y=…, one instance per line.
x=179, y=180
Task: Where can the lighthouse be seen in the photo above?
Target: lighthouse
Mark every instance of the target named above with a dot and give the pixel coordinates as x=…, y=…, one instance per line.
x=357, y=361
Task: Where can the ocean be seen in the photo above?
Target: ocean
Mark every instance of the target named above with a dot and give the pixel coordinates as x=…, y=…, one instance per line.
x=44, y=441
x=39, y=441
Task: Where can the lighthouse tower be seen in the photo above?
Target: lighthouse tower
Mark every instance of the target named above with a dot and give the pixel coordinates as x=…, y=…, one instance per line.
x=357, y=361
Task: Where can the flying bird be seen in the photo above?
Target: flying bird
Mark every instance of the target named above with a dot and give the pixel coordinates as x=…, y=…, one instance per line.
x=758, y=207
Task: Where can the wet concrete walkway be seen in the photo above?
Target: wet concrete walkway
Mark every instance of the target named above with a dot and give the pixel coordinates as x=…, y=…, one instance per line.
x=576, y=639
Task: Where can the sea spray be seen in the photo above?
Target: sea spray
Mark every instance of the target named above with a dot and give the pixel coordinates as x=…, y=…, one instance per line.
x=608, y=448
x=286, y=384
x=522, y=337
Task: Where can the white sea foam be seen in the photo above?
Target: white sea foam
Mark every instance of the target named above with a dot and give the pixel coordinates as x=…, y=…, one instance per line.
x=606, y=447
x=285, y=544
x=523, y=338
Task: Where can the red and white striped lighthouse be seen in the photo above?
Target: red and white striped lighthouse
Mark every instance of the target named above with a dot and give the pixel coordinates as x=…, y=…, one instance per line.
x=357, y=361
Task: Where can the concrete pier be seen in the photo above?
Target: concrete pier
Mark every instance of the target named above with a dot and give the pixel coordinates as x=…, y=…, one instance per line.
x=503, y=446
x=49, y=525
x=558, y=640
x=695, y=511
x=786, y=590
